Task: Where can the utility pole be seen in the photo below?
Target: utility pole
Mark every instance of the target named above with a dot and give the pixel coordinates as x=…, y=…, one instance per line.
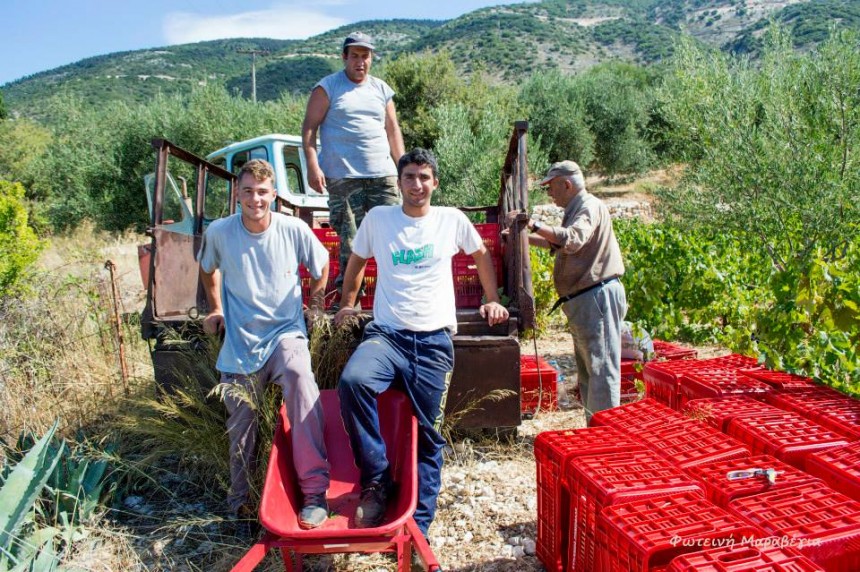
x=254, y=54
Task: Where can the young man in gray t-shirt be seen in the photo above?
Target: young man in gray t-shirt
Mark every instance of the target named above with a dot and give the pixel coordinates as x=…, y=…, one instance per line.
x=249, y=266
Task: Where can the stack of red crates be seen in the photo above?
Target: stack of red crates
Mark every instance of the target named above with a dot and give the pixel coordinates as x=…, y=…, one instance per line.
x=553, y=451
x=538, y=381
x=718, y=383
x=801, y=436
x=745, y=557
x=820, y=522
x=599, y=481
x=645, y=535
x=662, y=378
x=839, y=467
x=467, y=286
x=787, y=436
x=631, y=369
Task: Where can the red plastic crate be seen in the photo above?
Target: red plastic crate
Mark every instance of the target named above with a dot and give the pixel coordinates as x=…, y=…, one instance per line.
x=330, y=289
x=629, y=368
x=750, y=556
x=807, y=402
x=820, y=522
x=552, y=450
x=329, y=238
x=642, y=535
x=661, y=378
x=598, y=481
x=718, y=383
x=489, y=232
x=838, y=467
x=787, y=436
x=369, y=285
x=690, y=443
x=468, y=291
x=721, y=491
x=538, y=382
x=842, y=417
x=640, y=414
x=737, y=361
x=670, y=351
x=717, y=412
x=779, y=379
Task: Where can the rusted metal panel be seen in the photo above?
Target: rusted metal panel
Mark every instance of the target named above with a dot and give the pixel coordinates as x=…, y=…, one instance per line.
x=514, y=196
x=177, y=292
x=484, y=366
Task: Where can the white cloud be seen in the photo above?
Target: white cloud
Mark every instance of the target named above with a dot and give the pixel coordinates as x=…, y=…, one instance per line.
x=279, y=22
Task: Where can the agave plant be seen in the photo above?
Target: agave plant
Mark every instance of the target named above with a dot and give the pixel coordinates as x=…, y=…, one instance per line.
x=21, y=488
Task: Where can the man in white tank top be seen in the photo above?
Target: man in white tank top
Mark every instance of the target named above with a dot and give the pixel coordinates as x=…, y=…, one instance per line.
x=353, y=113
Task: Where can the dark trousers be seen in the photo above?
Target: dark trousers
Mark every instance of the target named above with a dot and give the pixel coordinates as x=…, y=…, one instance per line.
x=419, y=363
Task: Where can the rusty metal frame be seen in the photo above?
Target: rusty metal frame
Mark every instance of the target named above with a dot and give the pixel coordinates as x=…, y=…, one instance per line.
x=514, y=196
x=163, y=238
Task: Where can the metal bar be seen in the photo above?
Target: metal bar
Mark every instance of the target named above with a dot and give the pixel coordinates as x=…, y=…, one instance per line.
x=181, y=153
x=117, y=327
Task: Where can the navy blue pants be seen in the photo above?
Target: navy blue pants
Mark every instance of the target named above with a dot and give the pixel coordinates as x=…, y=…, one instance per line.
x=419, y=363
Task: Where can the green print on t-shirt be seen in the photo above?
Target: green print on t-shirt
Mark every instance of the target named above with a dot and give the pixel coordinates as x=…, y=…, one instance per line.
x=412, y=256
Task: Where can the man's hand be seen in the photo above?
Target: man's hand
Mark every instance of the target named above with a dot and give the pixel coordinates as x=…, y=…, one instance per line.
x=316, y=178
x=511, y=216
x=313, y=315
x=510, y=221
x=494, y=312
x=213, y=323
x=343, y=314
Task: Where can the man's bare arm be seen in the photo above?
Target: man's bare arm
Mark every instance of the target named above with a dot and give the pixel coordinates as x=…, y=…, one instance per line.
x=315, y=113
x=392, y=129
x=316, y=297
x=492, y=310
x=351, y=284
x=213, y=323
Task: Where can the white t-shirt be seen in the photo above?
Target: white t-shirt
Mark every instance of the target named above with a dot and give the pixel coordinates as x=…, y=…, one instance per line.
x=414, y=284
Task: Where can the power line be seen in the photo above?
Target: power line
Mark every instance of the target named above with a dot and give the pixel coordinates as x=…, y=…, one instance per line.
x=254, y=54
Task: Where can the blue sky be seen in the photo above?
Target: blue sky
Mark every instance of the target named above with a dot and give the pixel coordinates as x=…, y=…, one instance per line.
x=39, y=35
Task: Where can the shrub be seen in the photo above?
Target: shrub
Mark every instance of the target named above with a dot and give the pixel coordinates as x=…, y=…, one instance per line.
x=19, y=245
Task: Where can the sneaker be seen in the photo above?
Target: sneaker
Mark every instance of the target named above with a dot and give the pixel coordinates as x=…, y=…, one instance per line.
x=372, y=505
x=314, y=511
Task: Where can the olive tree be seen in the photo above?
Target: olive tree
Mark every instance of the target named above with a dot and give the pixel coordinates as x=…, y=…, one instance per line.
x=772, y=155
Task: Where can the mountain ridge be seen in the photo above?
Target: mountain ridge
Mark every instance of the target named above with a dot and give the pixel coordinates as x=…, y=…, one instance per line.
x=506, y=42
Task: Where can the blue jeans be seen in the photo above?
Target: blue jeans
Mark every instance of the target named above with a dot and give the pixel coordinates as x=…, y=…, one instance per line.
x=419, y=363
x=594, y=319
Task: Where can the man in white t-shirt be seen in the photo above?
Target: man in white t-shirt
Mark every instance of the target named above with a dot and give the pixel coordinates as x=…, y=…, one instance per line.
x=409, y=339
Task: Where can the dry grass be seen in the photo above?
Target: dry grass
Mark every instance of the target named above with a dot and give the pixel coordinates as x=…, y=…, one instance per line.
x=59, y=348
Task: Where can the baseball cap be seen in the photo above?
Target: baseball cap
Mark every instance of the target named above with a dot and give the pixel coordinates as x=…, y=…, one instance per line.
x=560, y=169
x=358, y=39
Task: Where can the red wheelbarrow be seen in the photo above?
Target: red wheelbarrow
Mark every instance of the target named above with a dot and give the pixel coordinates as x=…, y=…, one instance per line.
x=281, y=501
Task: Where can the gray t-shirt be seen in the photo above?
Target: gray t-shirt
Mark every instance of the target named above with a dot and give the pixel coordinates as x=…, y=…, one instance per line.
x=353, y=140
x=261, y=291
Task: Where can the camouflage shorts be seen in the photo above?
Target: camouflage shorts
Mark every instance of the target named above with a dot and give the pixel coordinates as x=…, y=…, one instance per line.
x=348, y=201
